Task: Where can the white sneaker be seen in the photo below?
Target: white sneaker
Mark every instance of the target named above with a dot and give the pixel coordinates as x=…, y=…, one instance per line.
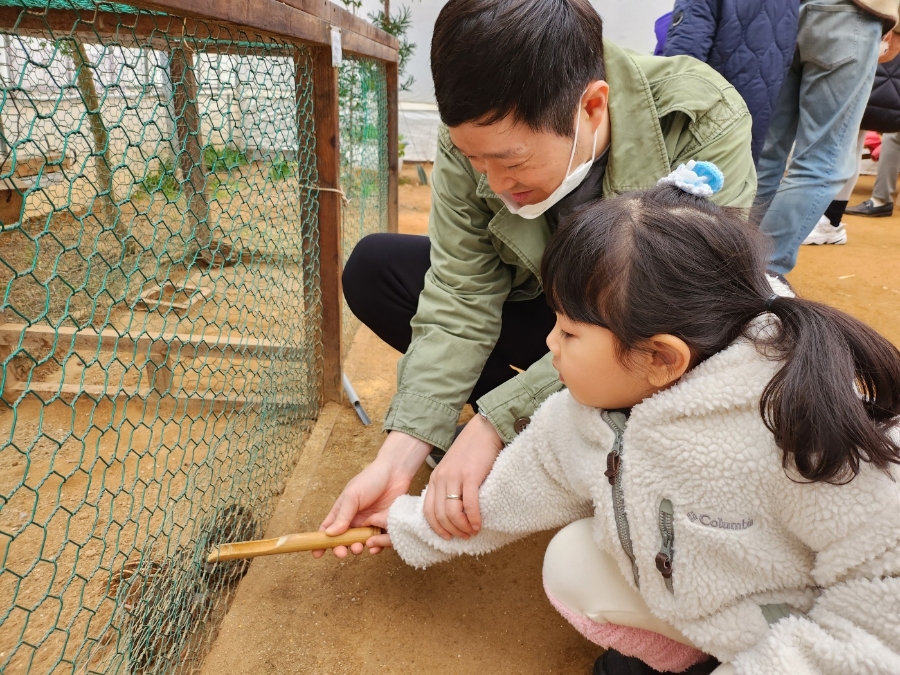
x=826, y=233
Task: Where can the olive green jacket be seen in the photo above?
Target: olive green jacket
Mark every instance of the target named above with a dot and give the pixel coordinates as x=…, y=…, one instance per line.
x=663, y=111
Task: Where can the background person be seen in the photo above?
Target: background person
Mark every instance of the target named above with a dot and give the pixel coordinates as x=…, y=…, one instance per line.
x=542, y=115
x=750, y=42
x=883, y=116
x=818, y=114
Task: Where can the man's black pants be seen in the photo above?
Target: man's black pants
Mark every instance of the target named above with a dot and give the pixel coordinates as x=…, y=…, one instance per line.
x=382, y=282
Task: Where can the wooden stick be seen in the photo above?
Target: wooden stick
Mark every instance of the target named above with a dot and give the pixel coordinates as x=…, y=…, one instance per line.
x=290, y=543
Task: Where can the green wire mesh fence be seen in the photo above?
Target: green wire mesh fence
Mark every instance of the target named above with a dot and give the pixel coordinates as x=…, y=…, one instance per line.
x=362, y=96
x=159, y=318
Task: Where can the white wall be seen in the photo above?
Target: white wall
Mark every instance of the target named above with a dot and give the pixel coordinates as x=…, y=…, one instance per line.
x=629, y=23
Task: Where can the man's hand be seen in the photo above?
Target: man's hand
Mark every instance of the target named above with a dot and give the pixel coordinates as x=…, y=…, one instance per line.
x=368, y=496
x=892, y=40
x=461, y=472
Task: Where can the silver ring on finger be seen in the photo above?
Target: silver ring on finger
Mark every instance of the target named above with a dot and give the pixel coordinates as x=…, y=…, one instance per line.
x=454, y=496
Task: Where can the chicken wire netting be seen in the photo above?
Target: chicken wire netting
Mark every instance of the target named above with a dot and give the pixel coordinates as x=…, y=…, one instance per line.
x=159, y=318
x=362, y=98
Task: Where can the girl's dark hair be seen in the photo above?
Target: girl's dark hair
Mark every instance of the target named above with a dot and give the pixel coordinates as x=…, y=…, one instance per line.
x=667, y=262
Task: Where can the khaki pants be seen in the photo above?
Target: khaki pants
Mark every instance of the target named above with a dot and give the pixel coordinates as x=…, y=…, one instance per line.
x=585, y=584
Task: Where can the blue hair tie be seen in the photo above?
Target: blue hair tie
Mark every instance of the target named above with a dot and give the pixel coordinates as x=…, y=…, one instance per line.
x=703, y=179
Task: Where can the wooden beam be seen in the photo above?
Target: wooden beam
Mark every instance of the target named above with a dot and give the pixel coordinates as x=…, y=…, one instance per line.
x=156, y=31
x=9, y=380
x=348, y=22
x=306, y=21
x=189, y=153
x=68, y=392
x=328, y=166
x=289, y=21
x=392, y=146
x=42, y=339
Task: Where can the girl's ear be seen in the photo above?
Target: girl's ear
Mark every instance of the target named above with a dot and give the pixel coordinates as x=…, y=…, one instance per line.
x=670, y=357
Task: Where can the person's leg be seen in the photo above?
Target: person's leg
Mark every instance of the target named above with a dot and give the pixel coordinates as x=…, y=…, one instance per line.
x=888, y=169
x=779, y=137
x=830, y=229
x=847, y=190
x=383, y=279
x=586, y=586
x=838, y=48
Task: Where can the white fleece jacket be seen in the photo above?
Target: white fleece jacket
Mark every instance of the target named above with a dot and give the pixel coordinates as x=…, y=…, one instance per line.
x=745, y=534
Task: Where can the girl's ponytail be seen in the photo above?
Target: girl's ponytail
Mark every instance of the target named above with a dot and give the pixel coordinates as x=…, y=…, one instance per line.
x=837, y=395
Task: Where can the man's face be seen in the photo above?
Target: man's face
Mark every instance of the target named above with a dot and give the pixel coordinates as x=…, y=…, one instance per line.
x=528, y=165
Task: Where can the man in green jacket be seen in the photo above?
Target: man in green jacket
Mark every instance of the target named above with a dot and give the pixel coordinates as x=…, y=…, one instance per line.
x=541, y=116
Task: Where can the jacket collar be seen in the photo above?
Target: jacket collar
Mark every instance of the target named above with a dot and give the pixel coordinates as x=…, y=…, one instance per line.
x=526, y=238
x=637, y=152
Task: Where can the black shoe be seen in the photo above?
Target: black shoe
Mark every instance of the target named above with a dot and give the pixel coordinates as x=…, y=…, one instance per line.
x=868, y=208
x=436, y=455
x=616, y=663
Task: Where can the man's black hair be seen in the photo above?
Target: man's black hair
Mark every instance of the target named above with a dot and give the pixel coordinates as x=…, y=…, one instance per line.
x=528, y=58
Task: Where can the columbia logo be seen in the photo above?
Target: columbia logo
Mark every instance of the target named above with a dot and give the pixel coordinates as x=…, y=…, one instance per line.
x=720, y=523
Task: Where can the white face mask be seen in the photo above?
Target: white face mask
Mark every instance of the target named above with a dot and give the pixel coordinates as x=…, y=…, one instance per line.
x=569, y=183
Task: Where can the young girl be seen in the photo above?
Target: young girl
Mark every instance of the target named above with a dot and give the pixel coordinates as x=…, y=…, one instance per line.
x=732, y=451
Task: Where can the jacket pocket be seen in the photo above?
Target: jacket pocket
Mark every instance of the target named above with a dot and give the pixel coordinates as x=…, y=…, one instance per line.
x=666, y=555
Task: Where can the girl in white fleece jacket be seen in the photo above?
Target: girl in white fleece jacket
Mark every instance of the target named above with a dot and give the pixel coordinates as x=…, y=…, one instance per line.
x=735, y=449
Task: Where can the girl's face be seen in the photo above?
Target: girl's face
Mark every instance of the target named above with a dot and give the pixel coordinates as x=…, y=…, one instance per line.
x=585, y=356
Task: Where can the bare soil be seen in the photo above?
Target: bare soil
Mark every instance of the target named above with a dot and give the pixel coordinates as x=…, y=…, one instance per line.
x=295, y=614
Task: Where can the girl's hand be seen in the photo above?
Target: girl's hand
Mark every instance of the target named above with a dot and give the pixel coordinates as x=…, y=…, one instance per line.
x=461, y=472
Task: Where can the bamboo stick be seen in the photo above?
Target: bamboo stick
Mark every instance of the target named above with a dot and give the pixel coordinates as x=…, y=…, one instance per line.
x=290, y=543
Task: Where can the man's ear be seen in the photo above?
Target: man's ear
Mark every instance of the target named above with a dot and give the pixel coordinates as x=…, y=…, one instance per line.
x=595, y=101
x=669, y=359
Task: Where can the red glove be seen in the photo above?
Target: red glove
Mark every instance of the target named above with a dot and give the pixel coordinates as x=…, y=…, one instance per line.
x=873, y=144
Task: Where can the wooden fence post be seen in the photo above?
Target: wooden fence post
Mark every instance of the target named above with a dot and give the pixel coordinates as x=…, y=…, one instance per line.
x=10, y=377
x=190, y=141
x=393, y=144
x=328, y=164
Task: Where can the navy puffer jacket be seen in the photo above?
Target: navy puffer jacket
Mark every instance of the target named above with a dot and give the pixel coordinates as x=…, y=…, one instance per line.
x=750, y=42
x=883, y=110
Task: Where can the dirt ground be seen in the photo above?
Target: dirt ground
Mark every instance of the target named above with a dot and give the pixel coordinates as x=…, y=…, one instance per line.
x=294, y=614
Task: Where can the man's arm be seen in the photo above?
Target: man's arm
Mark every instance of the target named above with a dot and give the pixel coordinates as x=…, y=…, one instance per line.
x=527, y=490
x=459, y=315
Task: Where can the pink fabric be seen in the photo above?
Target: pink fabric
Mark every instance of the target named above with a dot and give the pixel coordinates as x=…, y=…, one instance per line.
x=656, y=650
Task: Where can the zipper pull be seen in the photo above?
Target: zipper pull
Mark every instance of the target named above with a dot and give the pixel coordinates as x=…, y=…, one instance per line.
x=612, y=467
x=664, y=564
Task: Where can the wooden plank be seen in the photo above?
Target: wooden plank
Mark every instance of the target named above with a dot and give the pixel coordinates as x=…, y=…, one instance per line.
x=41, y=339
x=189, y=153
x=69, y=392
x=189, y=17
x=137, y=31
x=328, y=165
x=392, y=145
x=26, y=167
x=347, y=21
x=282, y=19
x=6, y=372
x=352, y=43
